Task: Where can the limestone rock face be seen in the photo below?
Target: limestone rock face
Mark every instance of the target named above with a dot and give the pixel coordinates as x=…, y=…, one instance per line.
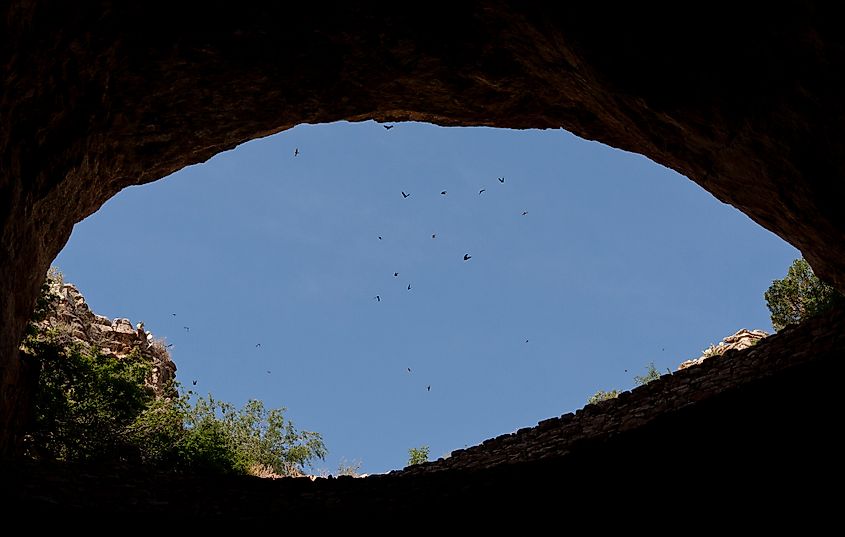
x=71, y=318
x=739, y=341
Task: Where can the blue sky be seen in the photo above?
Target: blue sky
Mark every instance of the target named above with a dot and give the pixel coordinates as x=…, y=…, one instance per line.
x=619, y=262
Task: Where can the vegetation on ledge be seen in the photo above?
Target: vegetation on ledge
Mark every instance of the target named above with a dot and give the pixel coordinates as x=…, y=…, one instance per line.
x=92, y=407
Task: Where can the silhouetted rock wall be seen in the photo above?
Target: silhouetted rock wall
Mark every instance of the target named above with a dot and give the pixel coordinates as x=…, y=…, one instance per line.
x=746, y=101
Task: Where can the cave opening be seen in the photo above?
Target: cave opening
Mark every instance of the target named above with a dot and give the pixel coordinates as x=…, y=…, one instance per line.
x=322, y=269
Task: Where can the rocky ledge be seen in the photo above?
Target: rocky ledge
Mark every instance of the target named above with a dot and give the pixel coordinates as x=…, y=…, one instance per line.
x=70, y=319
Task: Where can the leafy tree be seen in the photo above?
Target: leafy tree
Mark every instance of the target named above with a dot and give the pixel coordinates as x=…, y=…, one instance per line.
x=90, y=407
x=798, y=296
x=84, y=402
x=95, y=408
x=257, y=436
x=418, y=455
x=651, y=375
x=602, y=395
x=160, y=432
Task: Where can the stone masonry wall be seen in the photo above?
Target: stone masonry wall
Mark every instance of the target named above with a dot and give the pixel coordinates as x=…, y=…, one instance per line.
x=556, y=436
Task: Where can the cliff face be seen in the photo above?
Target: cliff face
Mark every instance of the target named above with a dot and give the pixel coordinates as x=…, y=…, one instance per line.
x=746, y=101
x=70, y=317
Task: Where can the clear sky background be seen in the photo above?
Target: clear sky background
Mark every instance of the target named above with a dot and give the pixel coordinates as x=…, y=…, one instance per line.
x=619, y=262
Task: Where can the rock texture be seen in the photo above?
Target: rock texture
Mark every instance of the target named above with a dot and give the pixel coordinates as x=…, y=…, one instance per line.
x=741, y=340
x=759, y=427
x=746, y=101
x=70, y=317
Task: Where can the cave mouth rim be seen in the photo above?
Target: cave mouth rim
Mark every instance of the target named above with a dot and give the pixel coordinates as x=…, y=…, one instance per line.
x=542, y=132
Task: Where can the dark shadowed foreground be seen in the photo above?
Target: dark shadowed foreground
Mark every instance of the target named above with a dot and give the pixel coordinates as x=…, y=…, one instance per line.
x=754, y=433
x=743, y=99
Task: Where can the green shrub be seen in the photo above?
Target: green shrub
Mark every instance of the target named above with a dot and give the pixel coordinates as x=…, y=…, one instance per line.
x=651, y=375
x=602, y=395
x=259, y=437
x=159, y=432
x=715, y=350
x=90, y=407
x=418, y=455
x=798, y=296
x=207, y=448
x=84, y=403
